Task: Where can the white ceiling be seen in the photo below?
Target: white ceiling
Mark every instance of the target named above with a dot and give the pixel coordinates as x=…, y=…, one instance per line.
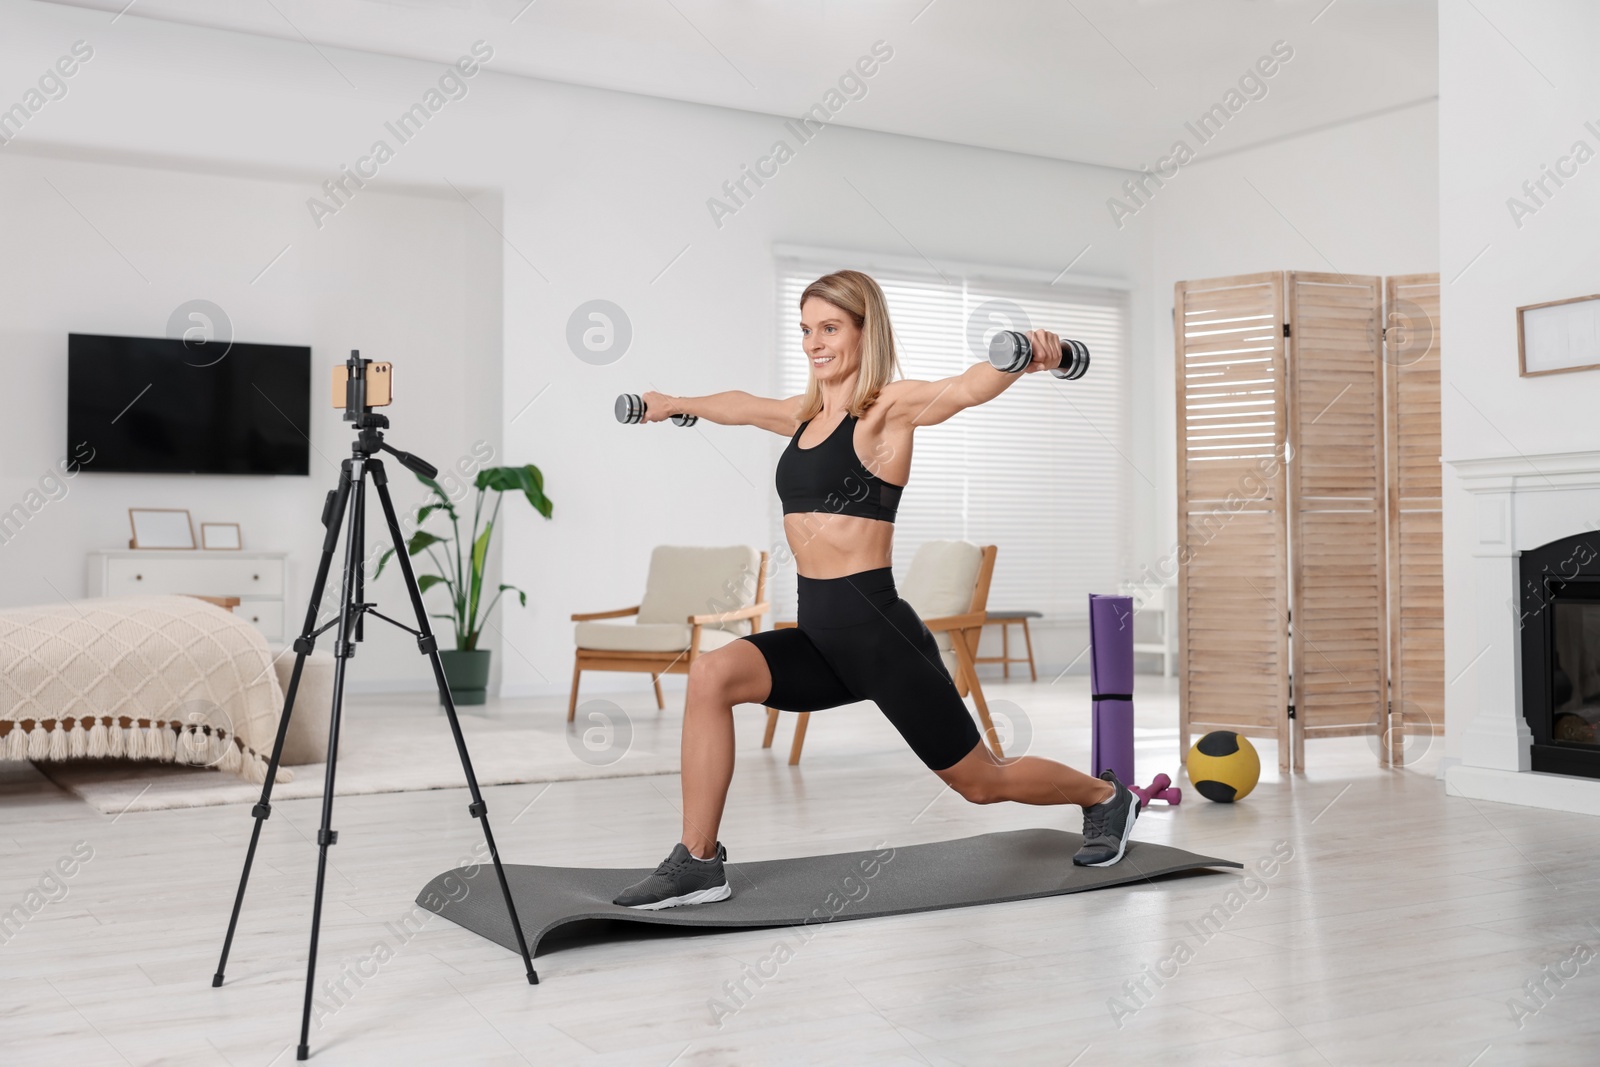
x=1097, y=81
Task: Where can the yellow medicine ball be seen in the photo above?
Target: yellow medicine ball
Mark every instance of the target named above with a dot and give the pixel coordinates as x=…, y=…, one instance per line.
x=1224, y=766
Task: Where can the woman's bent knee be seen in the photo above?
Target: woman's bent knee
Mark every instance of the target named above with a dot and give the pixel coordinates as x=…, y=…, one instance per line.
x=975, y=776
x=736, y=672
x=708, y=677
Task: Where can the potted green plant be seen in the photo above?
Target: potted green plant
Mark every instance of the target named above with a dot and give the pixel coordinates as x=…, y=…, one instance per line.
x=466, y=667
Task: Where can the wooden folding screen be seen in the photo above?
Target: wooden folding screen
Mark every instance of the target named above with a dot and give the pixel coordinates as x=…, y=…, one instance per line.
x=1337, y=504
x=1309, y=560
x=1416, y=539
x=1233, y=547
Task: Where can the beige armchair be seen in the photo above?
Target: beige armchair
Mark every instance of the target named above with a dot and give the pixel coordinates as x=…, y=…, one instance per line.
x=695, y=600
x=948, y=585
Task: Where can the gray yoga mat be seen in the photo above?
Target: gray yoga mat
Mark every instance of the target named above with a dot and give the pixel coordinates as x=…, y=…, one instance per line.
x=987, y=869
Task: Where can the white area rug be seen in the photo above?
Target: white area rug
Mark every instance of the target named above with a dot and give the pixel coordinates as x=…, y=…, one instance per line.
x=383, y=750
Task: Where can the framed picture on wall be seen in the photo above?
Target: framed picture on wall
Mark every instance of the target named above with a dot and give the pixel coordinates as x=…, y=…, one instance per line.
x=1559, y=335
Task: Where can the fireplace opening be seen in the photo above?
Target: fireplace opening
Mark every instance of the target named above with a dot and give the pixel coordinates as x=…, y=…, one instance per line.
x=1575, y=669
x=1560, y=615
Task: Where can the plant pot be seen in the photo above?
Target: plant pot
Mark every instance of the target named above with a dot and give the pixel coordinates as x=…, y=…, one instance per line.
x=467, y=674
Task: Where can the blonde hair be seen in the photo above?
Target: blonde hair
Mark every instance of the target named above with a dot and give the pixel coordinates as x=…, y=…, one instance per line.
x=858, y=296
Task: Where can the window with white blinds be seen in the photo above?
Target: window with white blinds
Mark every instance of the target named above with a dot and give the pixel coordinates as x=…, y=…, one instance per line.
x=1038, y=471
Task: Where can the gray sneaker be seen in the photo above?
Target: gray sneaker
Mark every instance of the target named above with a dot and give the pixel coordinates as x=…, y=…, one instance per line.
x=1107, y=826
x=681, y=879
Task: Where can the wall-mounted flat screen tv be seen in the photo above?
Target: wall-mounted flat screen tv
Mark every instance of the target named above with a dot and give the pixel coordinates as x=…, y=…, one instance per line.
x=152, y=405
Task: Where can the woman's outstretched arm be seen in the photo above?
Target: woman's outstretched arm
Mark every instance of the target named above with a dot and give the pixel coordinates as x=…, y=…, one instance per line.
x=732, y=408
x=930, y=403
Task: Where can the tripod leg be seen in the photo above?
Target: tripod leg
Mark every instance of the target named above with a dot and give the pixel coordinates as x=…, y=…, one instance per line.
x=360, y=519
x=333, y=515
x=430, y=647
x=343, y=649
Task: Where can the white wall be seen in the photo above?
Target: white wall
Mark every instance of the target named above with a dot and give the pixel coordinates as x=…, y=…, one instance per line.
x=601, y=192
x=1505, y=112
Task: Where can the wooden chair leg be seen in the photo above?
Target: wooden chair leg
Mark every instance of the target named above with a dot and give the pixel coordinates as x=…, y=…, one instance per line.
x=772, y=727
x=802, y=720
x=572, y=702
x=1028, y=640
x=964, y=659
x=1005, y=647
x=661, y=702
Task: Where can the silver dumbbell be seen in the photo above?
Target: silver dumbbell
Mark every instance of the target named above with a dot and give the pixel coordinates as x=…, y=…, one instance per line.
x=1011, y=351
x=630, y=407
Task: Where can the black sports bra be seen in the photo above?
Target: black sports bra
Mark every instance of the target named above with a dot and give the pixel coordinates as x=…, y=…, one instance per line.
x=831, y=477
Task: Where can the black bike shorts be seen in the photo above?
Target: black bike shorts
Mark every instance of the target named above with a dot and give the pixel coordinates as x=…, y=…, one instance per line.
x=855, y=639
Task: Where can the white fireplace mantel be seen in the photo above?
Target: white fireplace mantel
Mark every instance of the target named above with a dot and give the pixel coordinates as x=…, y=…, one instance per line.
x=1553, y=471
x=1518, y=503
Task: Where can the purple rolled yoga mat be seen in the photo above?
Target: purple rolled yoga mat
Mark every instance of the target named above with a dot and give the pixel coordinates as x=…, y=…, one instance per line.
x=1111, y=683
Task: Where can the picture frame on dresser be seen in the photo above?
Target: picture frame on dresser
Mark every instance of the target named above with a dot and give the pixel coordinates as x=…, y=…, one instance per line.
x=220, y=537
x=1558, y=336
x=160, y=528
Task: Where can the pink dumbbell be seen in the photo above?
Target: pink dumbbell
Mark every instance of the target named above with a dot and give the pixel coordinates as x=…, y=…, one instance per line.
x=1160, y=789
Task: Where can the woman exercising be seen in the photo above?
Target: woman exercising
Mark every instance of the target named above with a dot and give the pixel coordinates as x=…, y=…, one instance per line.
x=855, y=639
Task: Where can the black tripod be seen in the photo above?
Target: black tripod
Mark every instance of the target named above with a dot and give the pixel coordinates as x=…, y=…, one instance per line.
x=352, y=608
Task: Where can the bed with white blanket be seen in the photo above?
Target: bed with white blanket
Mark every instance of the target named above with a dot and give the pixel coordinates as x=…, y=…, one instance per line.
x=169, y=678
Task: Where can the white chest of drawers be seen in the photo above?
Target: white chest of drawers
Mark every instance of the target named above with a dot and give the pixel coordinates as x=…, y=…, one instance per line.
x=258, y=579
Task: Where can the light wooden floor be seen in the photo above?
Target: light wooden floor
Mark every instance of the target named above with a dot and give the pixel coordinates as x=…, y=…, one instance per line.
x=1398, y=932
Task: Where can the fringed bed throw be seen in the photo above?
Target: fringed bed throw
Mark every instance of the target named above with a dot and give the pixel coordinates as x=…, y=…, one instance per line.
x=166, y=678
